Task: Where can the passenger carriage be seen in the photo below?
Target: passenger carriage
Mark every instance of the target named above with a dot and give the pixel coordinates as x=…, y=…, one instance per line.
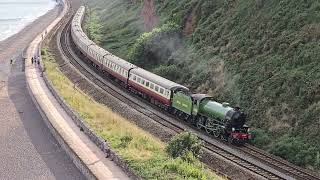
x=153, y=86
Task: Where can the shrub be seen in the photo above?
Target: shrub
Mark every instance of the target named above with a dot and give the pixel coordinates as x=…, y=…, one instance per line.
x=43, y=52
x=92, y=26
x=296, y=150
x=260, y=137
x=187, y=170
x=153, y=47
x=125, y=140
x=171, y=72
x=183, y=144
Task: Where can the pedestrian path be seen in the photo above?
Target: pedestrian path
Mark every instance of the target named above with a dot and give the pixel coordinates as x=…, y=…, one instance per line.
x=87, y=151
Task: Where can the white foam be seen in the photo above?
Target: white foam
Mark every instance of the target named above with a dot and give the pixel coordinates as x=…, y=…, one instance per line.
x=16, y=14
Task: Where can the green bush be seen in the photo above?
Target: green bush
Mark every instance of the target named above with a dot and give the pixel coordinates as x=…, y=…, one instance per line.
x=153, y=47
x=183, y=144
x=43, y=52
x=92, y=26
x=296, y=150
x=259, y=137
x=125, y=140
x=187, y=170
x=169, y=71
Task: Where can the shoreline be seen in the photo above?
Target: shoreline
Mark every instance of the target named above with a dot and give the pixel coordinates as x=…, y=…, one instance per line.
x=8, y=46
x=30, y=23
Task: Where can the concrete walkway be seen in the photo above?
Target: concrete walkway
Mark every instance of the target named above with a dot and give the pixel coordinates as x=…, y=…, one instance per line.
x=28, y=149
x=88, y=152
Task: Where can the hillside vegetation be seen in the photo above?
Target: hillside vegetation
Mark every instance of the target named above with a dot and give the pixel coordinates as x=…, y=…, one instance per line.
x=261, y=55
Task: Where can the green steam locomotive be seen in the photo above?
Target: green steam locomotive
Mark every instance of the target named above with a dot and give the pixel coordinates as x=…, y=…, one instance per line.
x=215, y=118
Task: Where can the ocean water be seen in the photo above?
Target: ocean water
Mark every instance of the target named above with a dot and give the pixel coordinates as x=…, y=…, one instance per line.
x=16, y=14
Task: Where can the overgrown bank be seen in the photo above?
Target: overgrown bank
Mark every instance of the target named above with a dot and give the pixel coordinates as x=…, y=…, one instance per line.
x=257, y=54
x=260, y=55
x=144, y=153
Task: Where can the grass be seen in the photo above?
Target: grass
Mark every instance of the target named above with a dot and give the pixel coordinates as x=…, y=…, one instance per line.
x=260, y=55
x=144, y=153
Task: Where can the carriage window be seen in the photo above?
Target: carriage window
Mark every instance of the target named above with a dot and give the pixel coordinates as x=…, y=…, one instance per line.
x=151, y=85
x=147, y=83
x=161, y=90
x=167, y=93
x=134, y=78
x=157, y=88
x=139, y=80
x=142, y=81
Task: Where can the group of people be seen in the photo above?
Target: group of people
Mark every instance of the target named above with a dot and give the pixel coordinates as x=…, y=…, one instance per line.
x=35, y=60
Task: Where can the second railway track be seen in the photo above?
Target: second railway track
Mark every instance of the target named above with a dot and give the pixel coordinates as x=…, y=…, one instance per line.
x=267, y=166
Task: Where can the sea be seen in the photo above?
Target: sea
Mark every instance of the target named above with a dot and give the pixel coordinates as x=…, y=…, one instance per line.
x=16, y=14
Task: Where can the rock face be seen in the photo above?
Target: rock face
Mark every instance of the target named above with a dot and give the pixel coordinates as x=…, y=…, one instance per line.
x=149, y=15
x=189, y=24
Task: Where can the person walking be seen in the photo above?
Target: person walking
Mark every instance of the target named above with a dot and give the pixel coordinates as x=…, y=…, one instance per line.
x=11, y=61
x=35, y=60
x=32, y=60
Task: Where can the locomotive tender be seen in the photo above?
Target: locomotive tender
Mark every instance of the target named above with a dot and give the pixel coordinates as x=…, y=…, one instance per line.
x=218, y=119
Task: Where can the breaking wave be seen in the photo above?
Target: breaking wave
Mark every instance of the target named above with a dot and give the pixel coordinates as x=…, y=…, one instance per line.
x=16, y=14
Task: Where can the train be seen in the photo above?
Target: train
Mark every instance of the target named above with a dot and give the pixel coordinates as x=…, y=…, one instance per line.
x=217, y=119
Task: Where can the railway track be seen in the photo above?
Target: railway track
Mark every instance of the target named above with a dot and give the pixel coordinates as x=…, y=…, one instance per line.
x=270, y=171
x=276, y=162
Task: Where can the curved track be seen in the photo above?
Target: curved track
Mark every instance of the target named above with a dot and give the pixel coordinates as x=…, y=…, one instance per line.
x=279, y=163
x=268, y=169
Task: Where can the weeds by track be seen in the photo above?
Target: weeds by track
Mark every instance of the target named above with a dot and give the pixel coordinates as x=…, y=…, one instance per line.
x=270, y=168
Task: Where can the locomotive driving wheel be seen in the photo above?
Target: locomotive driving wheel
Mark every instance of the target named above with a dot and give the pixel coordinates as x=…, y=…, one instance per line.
x=200, y=122
x=216, y=133
x=208, y=130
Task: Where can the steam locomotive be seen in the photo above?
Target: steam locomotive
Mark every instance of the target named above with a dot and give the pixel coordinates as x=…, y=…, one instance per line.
x=220, y=120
